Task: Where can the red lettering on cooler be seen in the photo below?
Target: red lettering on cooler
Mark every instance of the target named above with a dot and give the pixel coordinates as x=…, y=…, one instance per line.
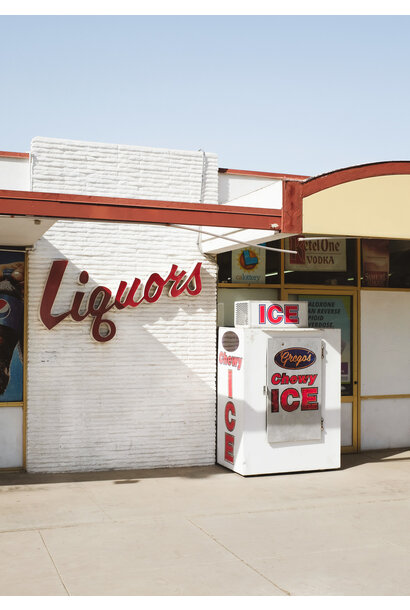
x=283, y=379
x=262, y=314
x=230, y=415
x=292, y=314
x=309, y=399
x=284, y=402
x=275, y=314
x=230, y=423
x=229, y=441
x=235, y=361
x=274, y=401
x=290, y=399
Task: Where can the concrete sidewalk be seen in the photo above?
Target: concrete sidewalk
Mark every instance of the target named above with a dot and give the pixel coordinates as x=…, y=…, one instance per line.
x=207, y=531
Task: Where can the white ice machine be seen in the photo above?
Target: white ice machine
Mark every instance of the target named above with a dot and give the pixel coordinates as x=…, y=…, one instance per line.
x=278, y=391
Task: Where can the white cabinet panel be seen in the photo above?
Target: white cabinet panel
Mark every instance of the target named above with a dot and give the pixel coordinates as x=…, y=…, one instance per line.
x=385, y=340
x=11, y=437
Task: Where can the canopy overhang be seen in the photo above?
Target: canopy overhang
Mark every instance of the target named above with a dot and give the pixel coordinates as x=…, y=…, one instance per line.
x=363, y=201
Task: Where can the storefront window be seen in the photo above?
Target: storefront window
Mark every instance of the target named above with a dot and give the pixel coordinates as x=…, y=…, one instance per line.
x=334, y=311
x=385, y=263
x=250, y=265
x=330, y=262
x=11, y=325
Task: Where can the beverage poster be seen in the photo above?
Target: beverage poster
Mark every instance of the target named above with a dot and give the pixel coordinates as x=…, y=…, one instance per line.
x=11, y=326
x=248, y=265
x=376, y=258
x=316, y=255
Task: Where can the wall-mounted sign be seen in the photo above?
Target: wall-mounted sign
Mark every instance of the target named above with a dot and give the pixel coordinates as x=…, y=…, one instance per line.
x=316, y=255
x=248, y=265
x=376, y=258
x=100, y=301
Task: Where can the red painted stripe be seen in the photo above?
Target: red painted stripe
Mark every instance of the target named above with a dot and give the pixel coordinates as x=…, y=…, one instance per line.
x=82, y=207
x=5, y=153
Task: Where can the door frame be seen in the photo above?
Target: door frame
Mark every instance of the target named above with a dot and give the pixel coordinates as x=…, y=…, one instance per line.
x=354, y=399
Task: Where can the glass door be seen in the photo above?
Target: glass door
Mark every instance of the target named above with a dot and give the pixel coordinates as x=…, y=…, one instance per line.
x=338, y=309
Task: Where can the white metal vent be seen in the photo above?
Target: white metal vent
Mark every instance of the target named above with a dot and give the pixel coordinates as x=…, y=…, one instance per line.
x=242, y=313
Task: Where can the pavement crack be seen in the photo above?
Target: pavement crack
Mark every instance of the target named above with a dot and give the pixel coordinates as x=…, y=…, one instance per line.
x=53, y=562
x=239, y=558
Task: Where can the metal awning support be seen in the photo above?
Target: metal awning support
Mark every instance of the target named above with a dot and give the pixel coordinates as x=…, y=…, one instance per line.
x=57, y=206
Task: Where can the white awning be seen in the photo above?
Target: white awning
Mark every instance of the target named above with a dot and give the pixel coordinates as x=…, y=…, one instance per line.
x=244, y=191
x=22, y=231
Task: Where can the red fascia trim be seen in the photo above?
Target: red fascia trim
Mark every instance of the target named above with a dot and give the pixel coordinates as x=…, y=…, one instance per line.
x=14, y=155
x=118, y=209
x=245, y=172
x=356, y=172
x=292, y=207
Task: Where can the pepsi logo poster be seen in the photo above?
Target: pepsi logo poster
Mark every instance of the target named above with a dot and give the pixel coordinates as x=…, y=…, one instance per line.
x=11, y=326
x=4, y=309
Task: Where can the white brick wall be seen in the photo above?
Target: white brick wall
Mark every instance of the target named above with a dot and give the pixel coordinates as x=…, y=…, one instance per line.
x=146, y=398
x=66, y=166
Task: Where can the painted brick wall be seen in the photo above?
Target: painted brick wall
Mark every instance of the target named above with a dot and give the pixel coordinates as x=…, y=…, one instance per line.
x=146, y=398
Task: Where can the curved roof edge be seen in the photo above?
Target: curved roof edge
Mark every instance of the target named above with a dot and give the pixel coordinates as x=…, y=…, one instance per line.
x=352, y=173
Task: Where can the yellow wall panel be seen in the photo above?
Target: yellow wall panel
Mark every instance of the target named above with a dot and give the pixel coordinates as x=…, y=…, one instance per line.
x=371, y=207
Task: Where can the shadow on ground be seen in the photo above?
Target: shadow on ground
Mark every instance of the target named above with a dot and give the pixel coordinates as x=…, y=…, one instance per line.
x=118, y=477
x=132, y=477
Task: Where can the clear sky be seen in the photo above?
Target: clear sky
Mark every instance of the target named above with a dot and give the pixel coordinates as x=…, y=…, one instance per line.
x=296, y=94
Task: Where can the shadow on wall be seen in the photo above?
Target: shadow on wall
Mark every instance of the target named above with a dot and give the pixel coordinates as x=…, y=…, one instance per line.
x=146, y=398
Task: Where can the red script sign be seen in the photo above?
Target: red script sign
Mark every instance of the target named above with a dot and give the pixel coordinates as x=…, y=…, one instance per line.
x=100, y=299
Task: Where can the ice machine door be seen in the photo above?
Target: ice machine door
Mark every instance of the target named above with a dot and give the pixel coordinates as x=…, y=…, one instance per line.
x=294, y=370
